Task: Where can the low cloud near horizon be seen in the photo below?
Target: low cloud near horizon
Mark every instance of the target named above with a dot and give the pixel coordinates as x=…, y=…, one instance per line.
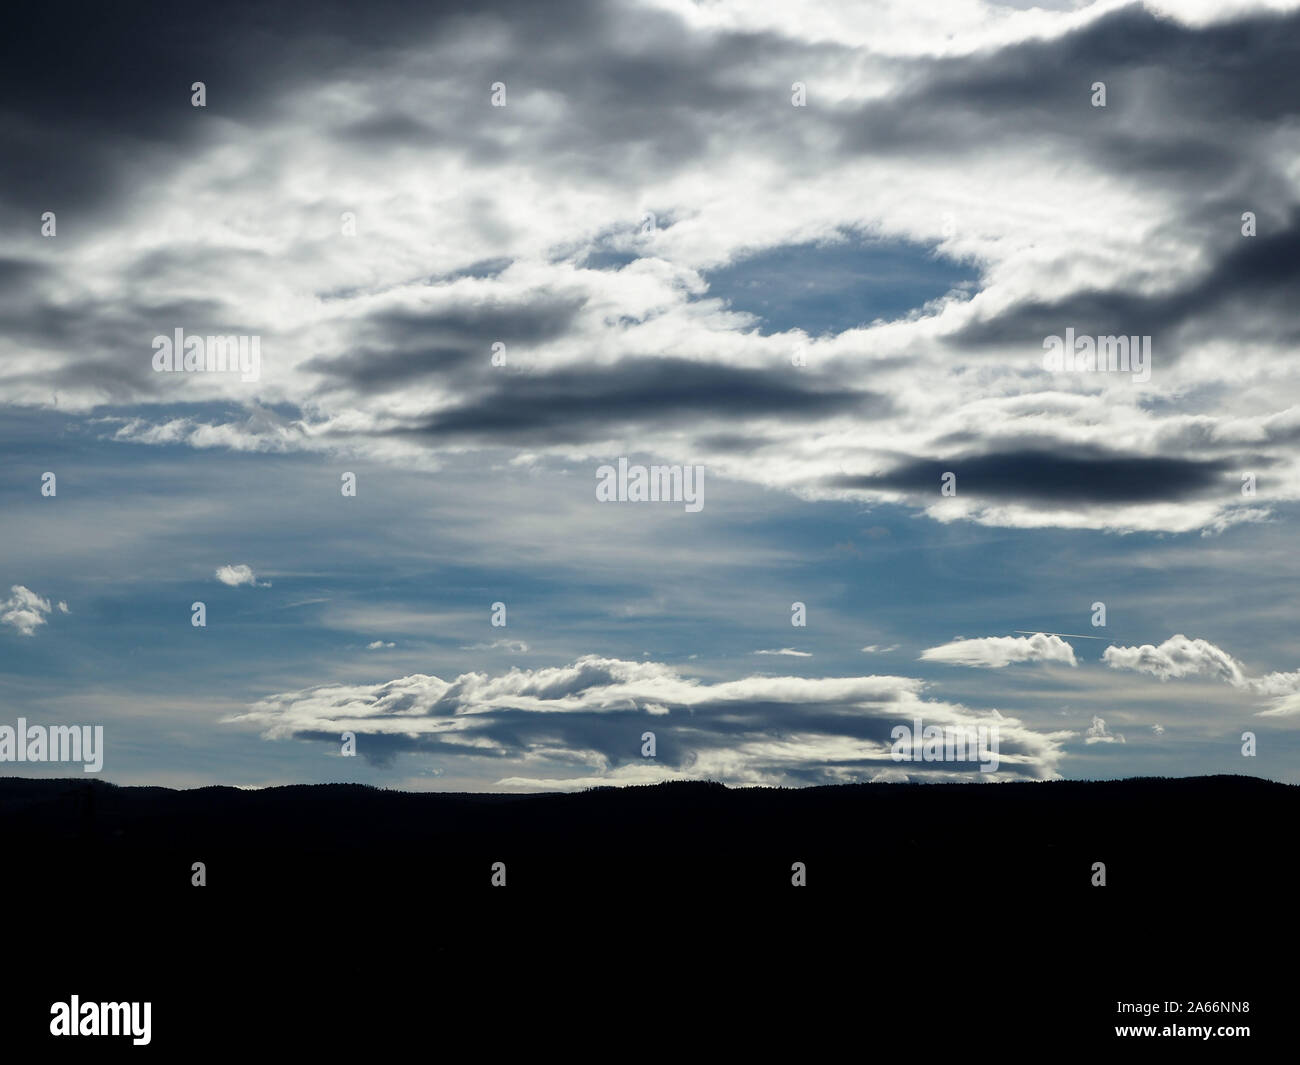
x=584, y=722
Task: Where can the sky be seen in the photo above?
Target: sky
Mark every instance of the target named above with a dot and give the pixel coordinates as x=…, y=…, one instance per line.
x=818, y=251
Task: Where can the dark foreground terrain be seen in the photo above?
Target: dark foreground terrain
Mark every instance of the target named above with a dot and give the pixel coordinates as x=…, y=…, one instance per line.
x=344, y=905
x=1156, y=837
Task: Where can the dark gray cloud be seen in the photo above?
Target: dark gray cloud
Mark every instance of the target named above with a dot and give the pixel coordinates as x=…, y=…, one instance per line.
x=1248, y=293
x=108, y=346
x=1230, y=75
x=124, y=78
x=1084, y=476
x=87, y=113
x=91, y=94
x=395, y=348
x=576, y=404
x=16, y=273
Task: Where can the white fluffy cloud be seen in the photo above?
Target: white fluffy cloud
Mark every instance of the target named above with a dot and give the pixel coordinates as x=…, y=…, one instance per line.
x=1180, y=656
x=994, y=652
x=1097, y=733
x=26, y=611
x=235, y=576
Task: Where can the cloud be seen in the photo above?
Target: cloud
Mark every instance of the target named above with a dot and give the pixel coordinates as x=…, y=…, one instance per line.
x=1284, y=688
x=403, y=345
x=788, y=651
x=661, y=335
x=1275, y=683
x=514, y=647
x=1180, y=656
x=1283, y=706
x=1097, y=733
x=234, y=576
x=379, y=645
x=1079, y=477
x=1004, y=209
x=574, y=724
x=593, y=403
x=25, y=610
x=994, y=652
